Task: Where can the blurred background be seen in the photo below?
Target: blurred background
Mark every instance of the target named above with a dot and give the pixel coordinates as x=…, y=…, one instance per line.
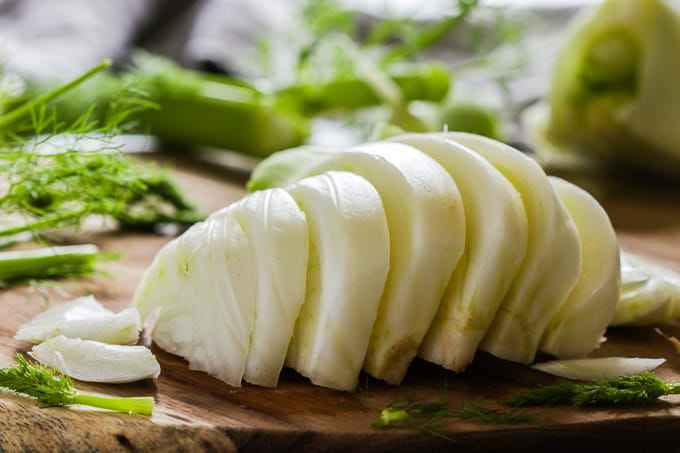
x=254, y=77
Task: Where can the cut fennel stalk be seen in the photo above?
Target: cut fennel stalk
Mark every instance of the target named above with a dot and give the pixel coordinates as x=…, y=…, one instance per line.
x=348, y=264
x=50, y=388
x=47, y=262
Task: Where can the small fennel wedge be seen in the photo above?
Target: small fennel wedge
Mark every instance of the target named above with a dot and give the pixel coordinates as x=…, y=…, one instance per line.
x=578, y=326
x=348, y=264
x=277, y=230
x=93, y=361
x=496, y=244
x=83, y=318
x=204, y=283
x=553, y=261
x=427, y=237
x=595, y=369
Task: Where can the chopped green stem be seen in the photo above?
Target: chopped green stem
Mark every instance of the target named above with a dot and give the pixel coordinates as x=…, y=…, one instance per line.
x=25, y=109
x=637, y=390
x=51, y=388
x=136, y=405
x=48, y=262
x=390, y=415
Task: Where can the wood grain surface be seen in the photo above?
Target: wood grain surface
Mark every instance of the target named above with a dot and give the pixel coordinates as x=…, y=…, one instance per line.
x=195, y=412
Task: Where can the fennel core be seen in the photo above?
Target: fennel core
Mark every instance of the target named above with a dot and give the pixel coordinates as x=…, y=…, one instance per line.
x=50, y=388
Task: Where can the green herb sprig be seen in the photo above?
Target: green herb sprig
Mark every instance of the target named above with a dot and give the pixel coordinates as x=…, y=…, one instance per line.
x=51, y=388
x=638, y=390
x=61, y=188
x=428, y=415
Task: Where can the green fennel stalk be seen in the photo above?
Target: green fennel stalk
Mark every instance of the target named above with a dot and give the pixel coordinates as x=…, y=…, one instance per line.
x=50, y=388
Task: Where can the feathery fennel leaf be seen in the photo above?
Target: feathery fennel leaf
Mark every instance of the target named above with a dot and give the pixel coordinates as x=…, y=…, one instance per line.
x=63, y=186
x=428, y=415
x=637, y=390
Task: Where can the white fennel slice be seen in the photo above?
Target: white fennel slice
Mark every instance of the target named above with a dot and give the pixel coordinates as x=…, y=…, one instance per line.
x=348, y=265
x=94, y=361
x=83, y=318
x=578, y=326
x=277, y=230
x=552, y=263
x=594, y=369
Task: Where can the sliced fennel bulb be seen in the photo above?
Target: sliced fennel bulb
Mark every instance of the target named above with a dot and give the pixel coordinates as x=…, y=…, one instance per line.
x=496, y=243
x=93, y=361
x=83, y=318
x=579, y=324
x=393, y=257
x=552, y=263
x=348, y=264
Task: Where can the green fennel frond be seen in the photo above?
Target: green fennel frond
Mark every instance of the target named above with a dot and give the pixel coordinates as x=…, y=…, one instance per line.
x=428, y=415
x=51, y=388
x=50, y=182
x=638, y=390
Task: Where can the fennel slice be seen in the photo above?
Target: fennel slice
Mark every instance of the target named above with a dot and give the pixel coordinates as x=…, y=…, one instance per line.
x=84, y=318
x=594, y=369
x=348, y=265
x=552, y=263
x=577, y=328
x=277, y=229
x=650, y=292
x=219, y=298
x=93, y=361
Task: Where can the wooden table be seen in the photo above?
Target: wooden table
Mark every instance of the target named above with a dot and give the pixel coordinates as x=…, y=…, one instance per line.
x=195, y=412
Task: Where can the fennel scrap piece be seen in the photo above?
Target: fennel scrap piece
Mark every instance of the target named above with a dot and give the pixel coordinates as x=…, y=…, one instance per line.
x=94, y=361
x=650, y=293
x=83, y=318
x=594, y=369
x=50, y=388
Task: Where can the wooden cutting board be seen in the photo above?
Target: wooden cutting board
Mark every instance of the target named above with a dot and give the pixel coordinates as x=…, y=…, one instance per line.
x=195, y=412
